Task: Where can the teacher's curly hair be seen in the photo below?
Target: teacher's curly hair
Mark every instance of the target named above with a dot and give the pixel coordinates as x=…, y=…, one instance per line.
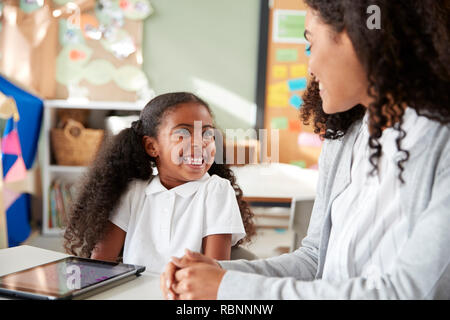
x=122, y=159
x=407, y=62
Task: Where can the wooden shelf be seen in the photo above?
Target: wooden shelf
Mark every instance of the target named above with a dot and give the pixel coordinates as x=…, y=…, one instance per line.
x=69, y=169
x=95, y=105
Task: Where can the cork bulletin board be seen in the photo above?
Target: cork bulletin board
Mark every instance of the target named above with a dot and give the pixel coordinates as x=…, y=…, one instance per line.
x=285, y=79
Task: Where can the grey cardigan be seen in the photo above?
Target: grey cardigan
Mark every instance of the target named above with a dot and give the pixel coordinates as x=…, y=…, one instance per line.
x=422, y=268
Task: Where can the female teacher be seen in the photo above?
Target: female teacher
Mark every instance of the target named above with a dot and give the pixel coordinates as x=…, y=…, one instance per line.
x=380, y=226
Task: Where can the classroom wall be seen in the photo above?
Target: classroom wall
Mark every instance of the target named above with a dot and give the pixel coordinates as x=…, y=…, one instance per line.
x=208, y=47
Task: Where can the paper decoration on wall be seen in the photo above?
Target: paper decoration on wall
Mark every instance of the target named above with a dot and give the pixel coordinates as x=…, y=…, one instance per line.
x=70, y=62
x=289, y=26
x=308, y=139
x=8, y=108
x=119, y=43
x=279, y=87
x=296, y=101
x=9, y=145
x=286, y=55
x=277, y=99
x=69, y=34
x=279, y=123
x=279, y=71
x=136, y=9
x=295, y=125
x=20, y=152
x=298, y=70
x=31, y=5
x=130, y=78
x=99, y=72
x=297, y=84
x=90, y=27
x=109, y=14
x=61, y=2
x=104, y=63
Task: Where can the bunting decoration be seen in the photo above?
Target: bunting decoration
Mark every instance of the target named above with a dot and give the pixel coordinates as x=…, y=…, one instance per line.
x=23, y=113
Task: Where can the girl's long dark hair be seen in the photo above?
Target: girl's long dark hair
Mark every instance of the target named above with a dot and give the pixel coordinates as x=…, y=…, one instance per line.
x=407, y=62
x=121, y=160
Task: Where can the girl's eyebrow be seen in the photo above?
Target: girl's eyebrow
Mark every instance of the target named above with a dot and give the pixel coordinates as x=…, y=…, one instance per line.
x=191, y=126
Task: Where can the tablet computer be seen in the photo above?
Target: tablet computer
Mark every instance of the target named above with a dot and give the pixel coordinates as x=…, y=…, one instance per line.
x=68, y=278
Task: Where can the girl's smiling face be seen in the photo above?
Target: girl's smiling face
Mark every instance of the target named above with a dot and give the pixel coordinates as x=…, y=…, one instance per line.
x=184, y=148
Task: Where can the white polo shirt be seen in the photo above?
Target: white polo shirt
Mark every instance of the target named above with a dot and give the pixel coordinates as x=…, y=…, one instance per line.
x=161, y=223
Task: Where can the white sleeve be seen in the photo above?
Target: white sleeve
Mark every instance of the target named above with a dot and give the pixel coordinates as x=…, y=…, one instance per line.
x=222, y=214
x=120, y=215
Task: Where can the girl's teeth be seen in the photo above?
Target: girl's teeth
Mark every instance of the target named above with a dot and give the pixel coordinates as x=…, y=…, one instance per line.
x=194, y=161
x=320, y=86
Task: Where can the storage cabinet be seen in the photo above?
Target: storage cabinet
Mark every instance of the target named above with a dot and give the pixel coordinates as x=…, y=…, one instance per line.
x=51, y=171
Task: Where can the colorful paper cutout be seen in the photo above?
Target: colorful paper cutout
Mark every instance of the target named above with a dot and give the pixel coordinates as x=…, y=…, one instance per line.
x=11, y=143
x=279, y=123
x=8, y=108
x=136, y=9
x=279, y=71
x=119, y=43
x=69, y=34
x=90, y=27
x=17, y=172
x=130, y=78
x=289, y=26
x=296, y=101
x=279, y=87
x=9, y=197
x=298, y=70
x=276, y=99
x=29, y=6
x=297, y=84
x=286, y=55
x=295, y=125
x=99, y=72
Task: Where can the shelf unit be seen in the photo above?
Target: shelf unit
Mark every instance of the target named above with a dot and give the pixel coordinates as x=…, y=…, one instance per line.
x=50, y=170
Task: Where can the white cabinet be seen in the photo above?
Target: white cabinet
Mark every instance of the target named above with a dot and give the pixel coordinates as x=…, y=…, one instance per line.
x=50, y=170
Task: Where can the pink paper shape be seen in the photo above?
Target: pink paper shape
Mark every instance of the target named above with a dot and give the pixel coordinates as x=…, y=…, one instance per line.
x=9, y=197
x=11, y=143
x=308, y=139
x=17, y=172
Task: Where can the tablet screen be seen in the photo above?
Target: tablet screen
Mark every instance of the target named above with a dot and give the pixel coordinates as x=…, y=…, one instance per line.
x=61, y=277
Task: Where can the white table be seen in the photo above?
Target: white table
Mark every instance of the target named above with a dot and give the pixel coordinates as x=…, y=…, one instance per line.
x=145, y=287
x=276, y=180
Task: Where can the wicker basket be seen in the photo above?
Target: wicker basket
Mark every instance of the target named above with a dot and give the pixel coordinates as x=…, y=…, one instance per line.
x=74, y=145
x=80, y=115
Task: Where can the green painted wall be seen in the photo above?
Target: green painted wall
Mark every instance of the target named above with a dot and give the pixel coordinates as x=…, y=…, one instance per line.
x=210, y=48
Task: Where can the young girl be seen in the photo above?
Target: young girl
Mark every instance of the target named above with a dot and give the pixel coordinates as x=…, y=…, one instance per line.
x=193, y=202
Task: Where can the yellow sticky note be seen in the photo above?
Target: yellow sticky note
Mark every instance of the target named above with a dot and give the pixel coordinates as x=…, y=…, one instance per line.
x=279, y=71
x=276, y=99
x=279, y=87
x=299, y=70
